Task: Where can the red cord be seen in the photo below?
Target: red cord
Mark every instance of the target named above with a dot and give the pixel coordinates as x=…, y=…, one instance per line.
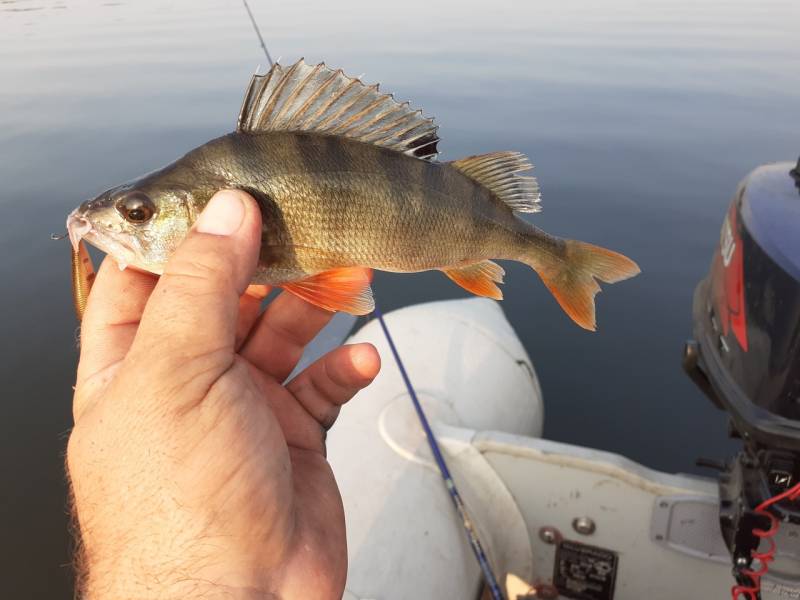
x=752, y=591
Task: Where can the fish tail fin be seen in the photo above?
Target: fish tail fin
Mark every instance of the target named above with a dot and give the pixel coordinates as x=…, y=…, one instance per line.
x=572, y=277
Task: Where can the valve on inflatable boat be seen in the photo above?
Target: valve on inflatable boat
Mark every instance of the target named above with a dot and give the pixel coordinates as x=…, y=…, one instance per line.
x=745, y=356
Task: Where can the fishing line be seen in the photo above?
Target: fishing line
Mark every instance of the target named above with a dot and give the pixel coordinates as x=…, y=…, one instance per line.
x=444, y=471
x=258, y=32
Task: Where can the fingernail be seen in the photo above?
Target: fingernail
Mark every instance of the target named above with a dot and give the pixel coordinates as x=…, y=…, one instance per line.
x=223, y=215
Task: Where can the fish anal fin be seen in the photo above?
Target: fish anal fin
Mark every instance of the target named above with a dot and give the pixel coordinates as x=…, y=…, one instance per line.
x=346, y=289
x=479, y=278
x=318, y=99
x=498, y=173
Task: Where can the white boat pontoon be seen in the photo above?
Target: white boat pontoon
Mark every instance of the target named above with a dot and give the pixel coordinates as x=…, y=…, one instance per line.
x=563, y=521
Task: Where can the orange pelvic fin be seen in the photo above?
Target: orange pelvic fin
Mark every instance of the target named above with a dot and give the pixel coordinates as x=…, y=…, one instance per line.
x=479, y=278
x=346, y=289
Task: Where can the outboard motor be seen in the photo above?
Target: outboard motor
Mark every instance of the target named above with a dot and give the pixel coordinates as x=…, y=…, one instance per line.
x=745, y=356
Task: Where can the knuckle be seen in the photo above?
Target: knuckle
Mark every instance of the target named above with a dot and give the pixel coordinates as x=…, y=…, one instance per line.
x=329, y=418
x=286, y=330
x=338, y=376
x=322, y=404
x=203, y=269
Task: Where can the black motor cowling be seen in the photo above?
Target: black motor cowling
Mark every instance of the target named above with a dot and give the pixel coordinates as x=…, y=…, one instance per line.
x=747, y=311
x=746, y=350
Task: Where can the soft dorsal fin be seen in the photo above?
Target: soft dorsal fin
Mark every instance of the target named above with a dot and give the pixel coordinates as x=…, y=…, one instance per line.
x=498, y=172
x=320, y=100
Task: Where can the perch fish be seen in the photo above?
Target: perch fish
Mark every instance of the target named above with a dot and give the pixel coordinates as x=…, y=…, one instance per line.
x=346, y=177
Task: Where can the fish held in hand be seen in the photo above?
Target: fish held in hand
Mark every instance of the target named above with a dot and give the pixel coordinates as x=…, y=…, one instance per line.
x=346, y=177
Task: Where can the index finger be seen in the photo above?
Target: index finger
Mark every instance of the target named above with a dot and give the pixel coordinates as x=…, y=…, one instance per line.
x=249, y=309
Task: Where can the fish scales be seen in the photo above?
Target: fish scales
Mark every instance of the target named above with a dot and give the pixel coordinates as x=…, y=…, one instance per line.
x=363, y=204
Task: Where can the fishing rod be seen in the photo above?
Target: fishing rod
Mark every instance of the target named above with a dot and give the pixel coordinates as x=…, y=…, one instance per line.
x=444, y=471
x=438, y=456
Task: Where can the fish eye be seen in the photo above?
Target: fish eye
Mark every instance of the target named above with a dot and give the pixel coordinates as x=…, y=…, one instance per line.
x=136, y=207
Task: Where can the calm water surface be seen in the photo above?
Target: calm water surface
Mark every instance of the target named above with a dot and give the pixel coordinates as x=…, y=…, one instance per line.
x=640, y=117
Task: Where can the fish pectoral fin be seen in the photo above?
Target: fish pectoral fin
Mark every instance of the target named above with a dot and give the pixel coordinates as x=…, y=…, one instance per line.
x=346, y=289
x=479, y=278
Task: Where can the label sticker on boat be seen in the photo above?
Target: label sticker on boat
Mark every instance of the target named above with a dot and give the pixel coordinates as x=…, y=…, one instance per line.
x=584, y=572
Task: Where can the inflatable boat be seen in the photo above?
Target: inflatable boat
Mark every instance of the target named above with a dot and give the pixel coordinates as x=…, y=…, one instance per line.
x=561, y=521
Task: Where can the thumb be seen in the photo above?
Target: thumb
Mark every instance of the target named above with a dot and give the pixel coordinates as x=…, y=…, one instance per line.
x=192, y=312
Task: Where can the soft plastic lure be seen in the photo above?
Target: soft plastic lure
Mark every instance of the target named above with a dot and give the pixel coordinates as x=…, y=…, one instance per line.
x=82, y=278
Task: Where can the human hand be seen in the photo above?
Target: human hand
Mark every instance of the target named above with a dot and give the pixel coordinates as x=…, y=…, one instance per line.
x=195, y=472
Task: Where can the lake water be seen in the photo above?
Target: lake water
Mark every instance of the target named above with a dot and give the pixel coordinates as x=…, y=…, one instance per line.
x=641, y=117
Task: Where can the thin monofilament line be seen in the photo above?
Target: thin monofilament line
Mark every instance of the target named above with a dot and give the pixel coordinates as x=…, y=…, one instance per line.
x=258, y=32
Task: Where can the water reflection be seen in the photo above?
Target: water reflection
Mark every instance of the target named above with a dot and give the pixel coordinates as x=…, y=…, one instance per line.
x=22, y=6
x=639, y=116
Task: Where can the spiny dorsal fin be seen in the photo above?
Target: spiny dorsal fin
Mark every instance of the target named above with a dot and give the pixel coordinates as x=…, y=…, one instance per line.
x=498, y=172
x=320, y=100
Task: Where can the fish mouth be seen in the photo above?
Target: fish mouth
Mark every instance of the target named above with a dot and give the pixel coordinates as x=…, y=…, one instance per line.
x=77, y=228
x=80, y=228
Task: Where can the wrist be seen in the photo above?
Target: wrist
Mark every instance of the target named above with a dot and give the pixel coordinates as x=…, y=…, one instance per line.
x=166, y=578
x=125, y=586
